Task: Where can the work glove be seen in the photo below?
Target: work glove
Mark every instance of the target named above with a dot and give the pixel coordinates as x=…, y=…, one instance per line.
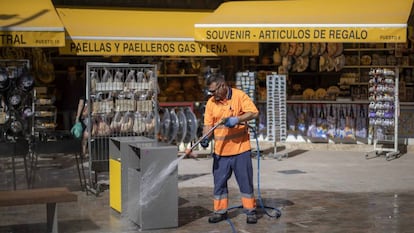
x=231, y=122
x=204, y=143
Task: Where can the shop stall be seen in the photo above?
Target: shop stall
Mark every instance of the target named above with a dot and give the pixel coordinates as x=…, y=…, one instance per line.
x=327, y=50
x=28, y=31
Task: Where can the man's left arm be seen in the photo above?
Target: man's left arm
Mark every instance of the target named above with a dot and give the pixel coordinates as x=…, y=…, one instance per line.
x=249, y=108
x=247, y=116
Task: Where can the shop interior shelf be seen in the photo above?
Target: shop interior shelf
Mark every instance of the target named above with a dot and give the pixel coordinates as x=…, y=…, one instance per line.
x=372, y=67
x=368, y=49
x=177, y=75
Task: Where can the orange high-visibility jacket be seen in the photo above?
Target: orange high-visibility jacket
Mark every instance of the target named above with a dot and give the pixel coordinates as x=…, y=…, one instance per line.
x=229, y=141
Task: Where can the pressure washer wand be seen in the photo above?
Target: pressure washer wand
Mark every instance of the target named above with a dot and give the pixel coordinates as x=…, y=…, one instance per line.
x=189, y=150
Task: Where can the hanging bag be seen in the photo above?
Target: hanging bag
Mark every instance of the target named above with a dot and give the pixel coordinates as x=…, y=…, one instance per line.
x=77, y=130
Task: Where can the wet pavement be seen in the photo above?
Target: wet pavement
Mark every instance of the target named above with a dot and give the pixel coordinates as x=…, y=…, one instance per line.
x=316, y=191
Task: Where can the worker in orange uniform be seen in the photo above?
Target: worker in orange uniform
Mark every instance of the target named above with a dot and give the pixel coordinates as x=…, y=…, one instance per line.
x=232, y=150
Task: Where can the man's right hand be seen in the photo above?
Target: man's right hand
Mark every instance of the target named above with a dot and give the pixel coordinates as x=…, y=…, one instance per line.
x=231, y=122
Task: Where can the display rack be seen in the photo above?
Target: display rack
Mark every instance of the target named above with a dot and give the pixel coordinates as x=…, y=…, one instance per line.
x=276, y=109
x=122, y=100
x=384, y=111
x=45, y=112
x=246, y=81
x=15, y=110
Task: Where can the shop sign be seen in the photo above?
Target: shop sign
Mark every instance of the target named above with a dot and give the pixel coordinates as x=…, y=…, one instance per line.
x=158, y=48
x=303, y=34
x=32, y=39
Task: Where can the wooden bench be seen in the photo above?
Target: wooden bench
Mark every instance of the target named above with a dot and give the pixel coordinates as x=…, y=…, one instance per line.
x=48, y=196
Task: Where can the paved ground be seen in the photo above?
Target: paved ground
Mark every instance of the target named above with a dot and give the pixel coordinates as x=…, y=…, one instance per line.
x=316, y=190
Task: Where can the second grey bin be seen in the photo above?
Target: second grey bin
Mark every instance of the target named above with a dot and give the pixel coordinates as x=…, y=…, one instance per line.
x=153, y=185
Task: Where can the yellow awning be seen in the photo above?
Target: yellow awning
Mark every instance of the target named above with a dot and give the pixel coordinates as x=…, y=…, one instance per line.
x=140, y=33
x=30, y=23
x=361, y=21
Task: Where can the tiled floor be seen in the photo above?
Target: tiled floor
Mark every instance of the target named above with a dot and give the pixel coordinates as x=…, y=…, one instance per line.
x=306, y=210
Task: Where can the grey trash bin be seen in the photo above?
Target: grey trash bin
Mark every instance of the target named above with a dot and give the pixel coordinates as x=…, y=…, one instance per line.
x=118, y=170
x=153, y=185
